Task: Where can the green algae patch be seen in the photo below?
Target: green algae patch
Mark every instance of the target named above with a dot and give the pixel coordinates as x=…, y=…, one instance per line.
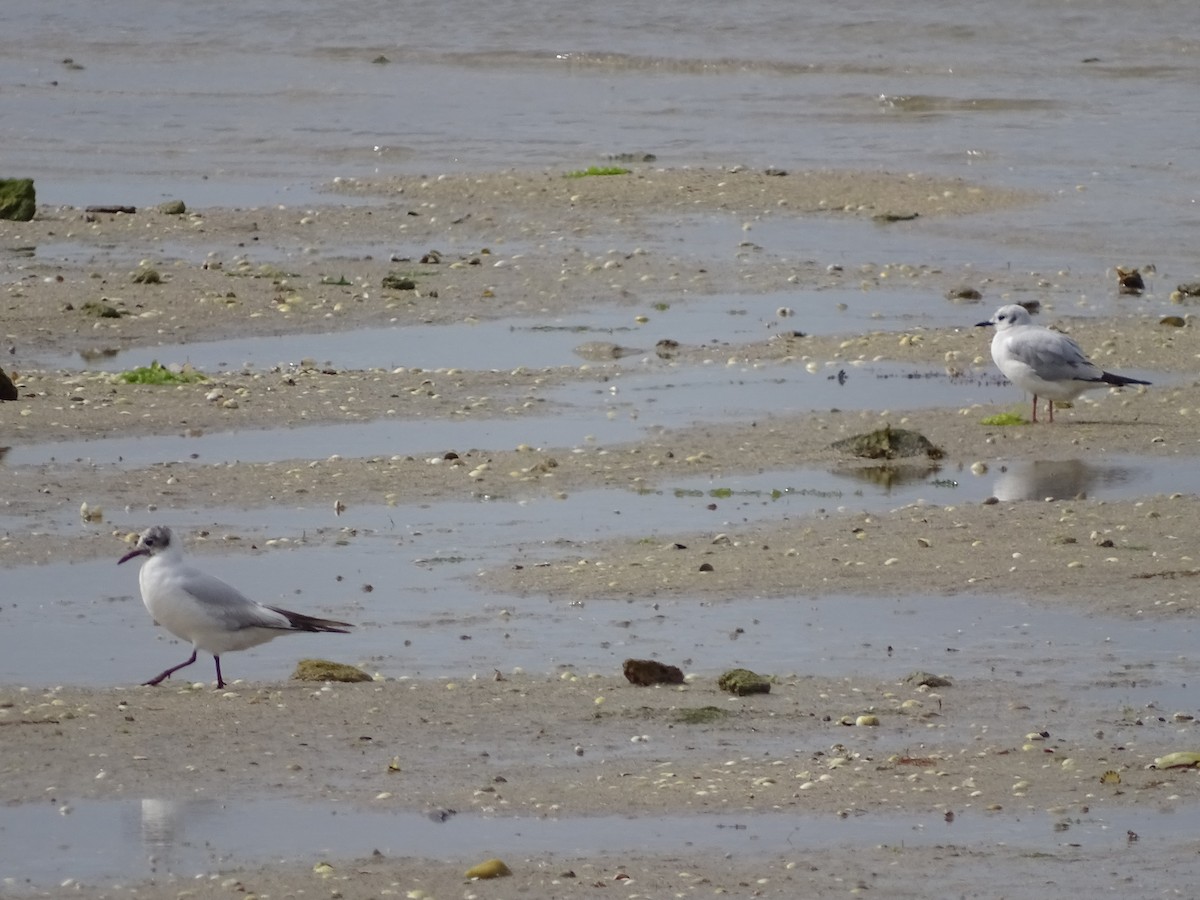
x=701, y=715
x=594, y=171
x=742, y=682
x=1003, y=419
x=100, y=310
x=157, y=373
x=326, y=670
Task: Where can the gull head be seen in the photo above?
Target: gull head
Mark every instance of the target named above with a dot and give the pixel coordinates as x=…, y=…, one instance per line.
x=155, y=539
x=1008, y=317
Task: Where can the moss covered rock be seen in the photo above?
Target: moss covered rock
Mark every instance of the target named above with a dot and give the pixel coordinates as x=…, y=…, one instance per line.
x=742, y=682
x=889, y=443
x=324, y=670
x=18, y=199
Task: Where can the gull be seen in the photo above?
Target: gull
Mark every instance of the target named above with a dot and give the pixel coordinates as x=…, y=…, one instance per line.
x=205, y=611
x=1043, y=361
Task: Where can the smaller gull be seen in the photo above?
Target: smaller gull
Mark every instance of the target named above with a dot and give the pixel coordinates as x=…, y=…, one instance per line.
x=196, y=607
x=1045, y=362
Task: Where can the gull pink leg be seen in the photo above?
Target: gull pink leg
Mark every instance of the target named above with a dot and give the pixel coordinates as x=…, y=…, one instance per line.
x=167, y=674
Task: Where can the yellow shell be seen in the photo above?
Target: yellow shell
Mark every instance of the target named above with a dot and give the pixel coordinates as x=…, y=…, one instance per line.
x=1110, y=777
x=1175, y=760
x=493, y=868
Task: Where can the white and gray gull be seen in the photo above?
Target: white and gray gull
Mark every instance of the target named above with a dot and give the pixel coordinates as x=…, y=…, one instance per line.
x=205, y=611
x=1045, y=362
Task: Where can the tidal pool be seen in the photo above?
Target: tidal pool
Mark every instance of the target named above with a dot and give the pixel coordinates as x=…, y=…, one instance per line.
x=100, y=841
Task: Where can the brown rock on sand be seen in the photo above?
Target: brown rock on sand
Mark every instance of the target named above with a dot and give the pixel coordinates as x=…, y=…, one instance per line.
x=646, y=672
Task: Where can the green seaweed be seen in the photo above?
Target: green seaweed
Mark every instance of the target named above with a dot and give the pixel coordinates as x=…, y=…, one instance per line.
x=100, y=310
x=1005, y=418
x=701, y=715
x=156, y=373
x=326, y=670
x=593, y=171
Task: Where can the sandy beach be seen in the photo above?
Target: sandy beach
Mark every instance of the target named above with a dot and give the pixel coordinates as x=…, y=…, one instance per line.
x=570, y=743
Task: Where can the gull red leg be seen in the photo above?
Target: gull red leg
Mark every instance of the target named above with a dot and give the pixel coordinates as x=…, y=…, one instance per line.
x=167, y=674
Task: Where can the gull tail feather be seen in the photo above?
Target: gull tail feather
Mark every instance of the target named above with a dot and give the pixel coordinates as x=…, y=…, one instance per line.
x=301, y=622
x=1119, y=380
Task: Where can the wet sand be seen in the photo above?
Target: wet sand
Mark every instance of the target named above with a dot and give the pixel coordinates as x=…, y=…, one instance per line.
x=571, y=743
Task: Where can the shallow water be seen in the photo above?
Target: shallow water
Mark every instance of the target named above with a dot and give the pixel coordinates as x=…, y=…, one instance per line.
x=265, y=101
x=83, y=623
x=99, y=841
x=262, y=102
x=541, y=342
x=617, y=410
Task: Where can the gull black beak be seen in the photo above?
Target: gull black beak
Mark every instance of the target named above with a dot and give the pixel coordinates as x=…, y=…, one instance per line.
x=140, y=551
x=984, y=324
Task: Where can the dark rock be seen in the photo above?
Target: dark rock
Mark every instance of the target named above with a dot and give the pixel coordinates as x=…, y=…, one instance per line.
x=927, y=679
x=964, y=293
x=398, y=283
x=667, y=348
x=18, y=199
x=886, y=217
x=1129, y=281
x=742, y=682
x=8, y=390
x=645, y=672
x=173, y=208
